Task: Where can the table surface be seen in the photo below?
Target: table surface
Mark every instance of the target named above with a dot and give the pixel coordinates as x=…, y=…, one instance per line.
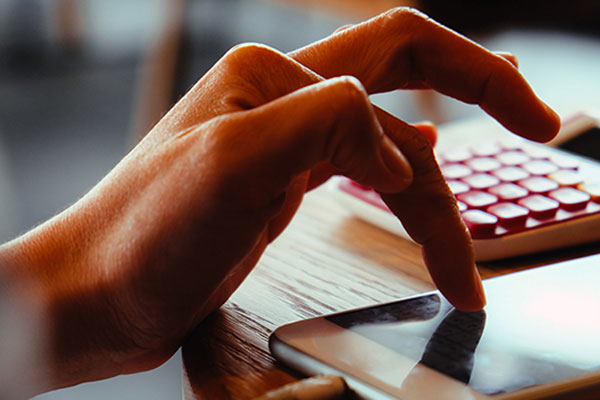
x=326, y=261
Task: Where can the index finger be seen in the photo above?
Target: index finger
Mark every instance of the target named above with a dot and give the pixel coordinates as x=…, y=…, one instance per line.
x=428, y=211
x=404, y=48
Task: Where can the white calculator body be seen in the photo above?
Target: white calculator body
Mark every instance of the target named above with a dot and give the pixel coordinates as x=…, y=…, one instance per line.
x=516, y=197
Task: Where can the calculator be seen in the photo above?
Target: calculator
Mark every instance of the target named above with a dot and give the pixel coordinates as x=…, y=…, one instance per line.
x=515, y=196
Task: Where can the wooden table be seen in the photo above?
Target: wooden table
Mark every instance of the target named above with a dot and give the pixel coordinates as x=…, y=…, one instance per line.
x=326, y=261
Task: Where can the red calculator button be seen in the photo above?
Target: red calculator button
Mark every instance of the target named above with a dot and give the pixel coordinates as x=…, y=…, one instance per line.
x=486, y=149
x=570, y=199
x=510, y=158
x=477, y=199
x=483, y=164
x=481, y=224
x=566, y=177
x=455, y=171
x=461, y=206
x=481, y=181
x=458, y=187
x=540, y=167
x=457, y=155
x=511, y=174
x=508, y=191
x=538, y=184
x=540, y=207
x=509, y=215
x=593, y=189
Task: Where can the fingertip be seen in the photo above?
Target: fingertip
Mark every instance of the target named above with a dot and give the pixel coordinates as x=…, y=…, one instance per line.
x=546, y=126
x=473, y=300
x=455, y=274
x=469, y=297
x=554, y=122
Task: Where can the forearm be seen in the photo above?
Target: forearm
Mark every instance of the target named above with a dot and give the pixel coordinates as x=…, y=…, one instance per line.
x=77, y=330
x=99, y=269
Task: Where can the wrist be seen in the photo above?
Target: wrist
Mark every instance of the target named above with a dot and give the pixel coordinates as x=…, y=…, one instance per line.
x=72, y=299
x=23, y=348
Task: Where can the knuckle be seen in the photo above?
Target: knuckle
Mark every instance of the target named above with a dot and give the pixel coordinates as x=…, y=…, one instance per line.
x=257, y=53
x=351, y=91
x=412, y=25
x=250, y=69
x=262, y=74
x=343, y=28
x=406, y=15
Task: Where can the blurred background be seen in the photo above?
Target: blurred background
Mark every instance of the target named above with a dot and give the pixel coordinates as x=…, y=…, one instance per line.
x=81, y=81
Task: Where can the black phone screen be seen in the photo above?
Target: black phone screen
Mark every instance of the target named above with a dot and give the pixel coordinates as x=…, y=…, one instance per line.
x=539, y=326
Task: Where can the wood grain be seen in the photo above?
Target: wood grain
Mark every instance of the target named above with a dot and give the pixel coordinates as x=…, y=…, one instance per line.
x=326, y=261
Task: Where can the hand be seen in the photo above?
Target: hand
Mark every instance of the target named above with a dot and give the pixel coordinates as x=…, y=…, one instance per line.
x=170, y=233
x=404, y=49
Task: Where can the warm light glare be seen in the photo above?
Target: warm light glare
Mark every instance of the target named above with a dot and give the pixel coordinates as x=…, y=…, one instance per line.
x=557, y=315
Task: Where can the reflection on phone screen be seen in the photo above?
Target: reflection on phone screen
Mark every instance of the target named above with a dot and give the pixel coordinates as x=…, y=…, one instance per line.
x=525, y=337
x=451, y=348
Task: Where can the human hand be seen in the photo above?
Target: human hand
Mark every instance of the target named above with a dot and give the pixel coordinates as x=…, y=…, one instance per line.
x=170, y=233
x=404, y=49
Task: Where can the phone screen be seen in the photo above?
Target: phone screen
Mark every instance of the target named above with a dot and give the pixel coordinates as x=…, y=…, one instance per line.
x=533, y=331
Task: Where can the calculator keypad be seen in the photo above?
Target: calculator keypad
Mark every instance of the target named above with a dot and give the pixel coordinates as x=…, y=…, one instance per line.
x=503, y=188
x=508, y=188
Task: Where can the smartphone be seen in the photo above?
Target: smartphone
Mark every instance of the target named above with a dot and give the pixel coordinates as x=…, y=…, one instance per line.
x=538, y=336
x=515, y=196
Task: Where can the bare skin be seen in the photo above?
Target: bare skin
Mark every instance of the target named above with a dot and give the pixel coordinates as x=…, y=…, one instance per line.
x=167, y=236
